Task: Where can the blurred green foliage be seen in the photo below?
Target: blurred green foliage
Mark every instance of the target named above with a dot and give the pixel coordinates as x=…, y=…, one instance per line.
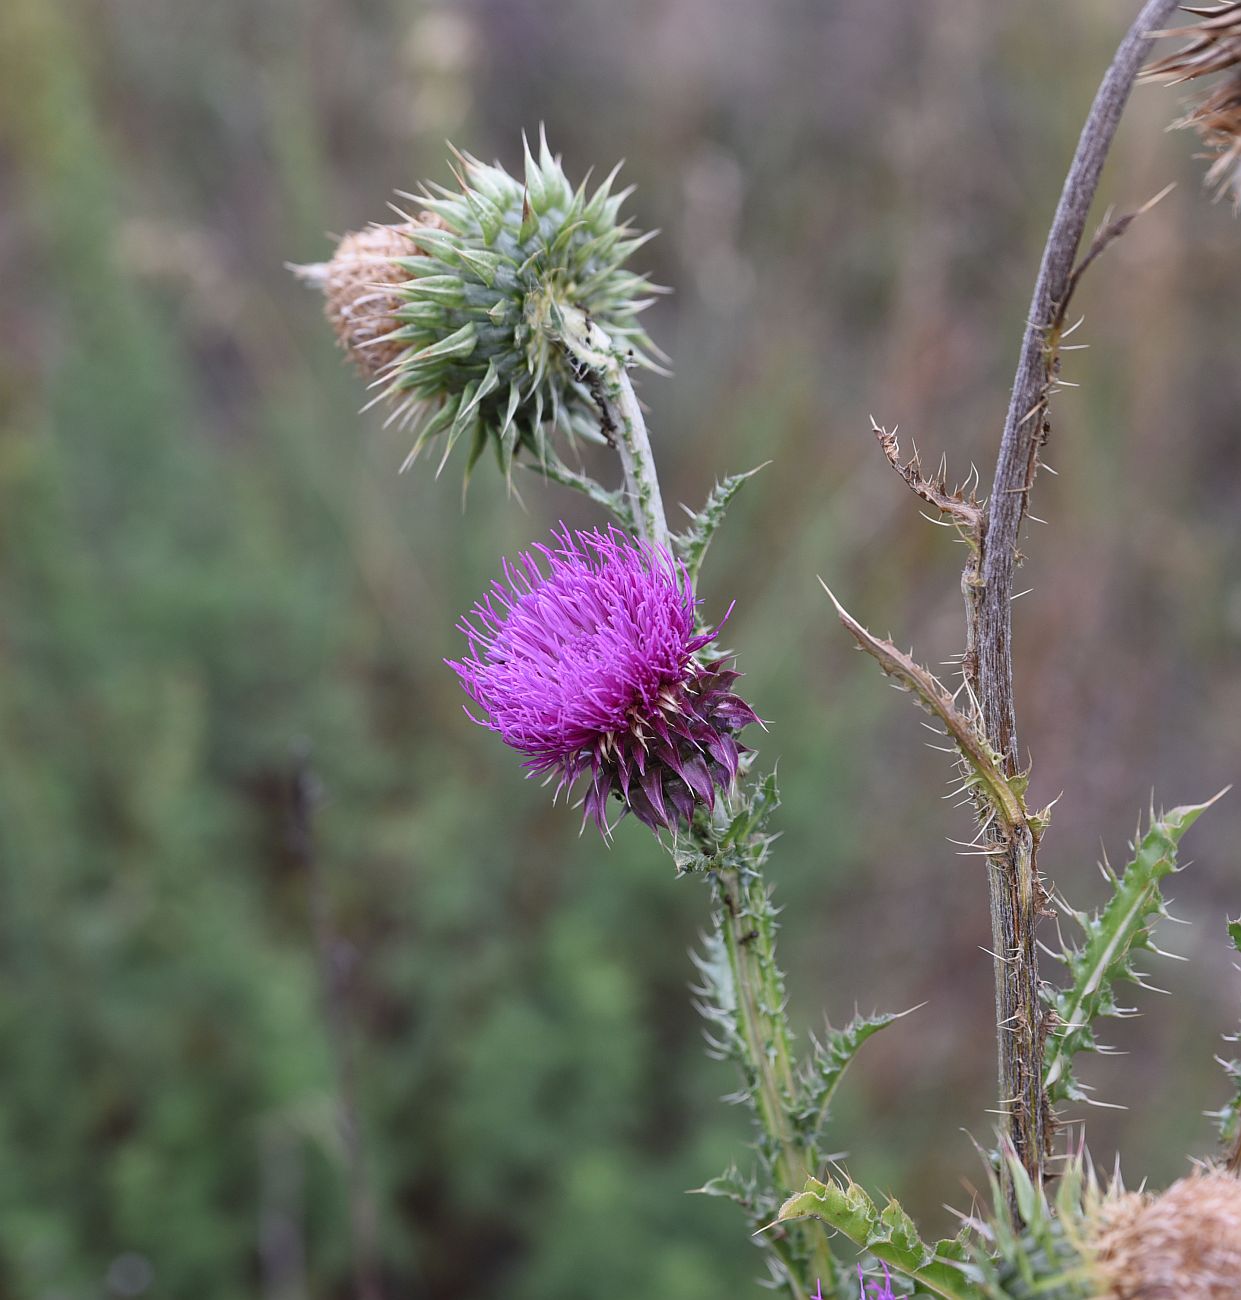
x=211, y=568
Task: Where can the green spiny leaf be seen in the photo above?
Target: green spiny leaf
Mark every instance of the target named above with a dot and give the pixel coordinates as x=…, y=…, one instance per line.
x=715, y=998
x=1033, y=1252
x=889, y=1234
x=829, y=1059
x=692, y=544
x=1111, y=938
x=742, y=1190
x=763, y=800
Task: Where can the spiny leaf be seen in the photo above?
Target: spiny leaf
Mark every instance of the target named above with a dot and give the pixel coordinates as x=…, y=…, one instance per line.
x=763, y=800
x=740, y=1188
x=715, y=998
x=889, y=1234
x=553, y=468
x=828, y=1062
x=982, y=766
x=1111, y=938
x=692, y=544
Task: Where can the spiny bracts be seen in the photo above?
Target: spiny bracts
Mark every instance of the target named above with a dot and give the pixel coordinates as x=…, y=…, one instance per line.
x=1101, y=1242
x=593, y=669
x=455, y=313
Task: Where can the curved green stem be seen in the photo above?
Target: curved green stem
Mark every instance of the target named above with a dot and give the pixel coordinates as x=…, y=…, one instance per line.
x=603, y=366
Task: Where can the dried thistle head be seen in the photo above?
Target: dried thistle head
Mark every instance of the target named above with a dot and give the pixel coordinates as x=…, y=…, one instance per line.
x=1097, y=1241
x=1185, y=1242
x=360, y=286
x=456, y=314
x=1218, y=121
x=1214, y=45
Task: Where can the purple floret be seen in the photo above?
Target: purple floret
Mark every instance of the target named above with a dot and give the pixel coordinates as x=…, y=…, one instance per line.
x=875, y=1290
x=592, y=668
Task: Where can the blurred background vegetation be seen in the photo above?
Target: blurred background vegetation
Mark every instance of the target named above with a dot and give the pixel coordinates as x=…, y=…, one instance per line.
x=211, y=568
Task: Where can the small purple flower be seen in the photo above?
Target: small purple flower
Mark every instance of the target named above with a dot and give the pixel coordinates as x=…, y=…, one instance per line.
x=875, y=1290
x=592, y=669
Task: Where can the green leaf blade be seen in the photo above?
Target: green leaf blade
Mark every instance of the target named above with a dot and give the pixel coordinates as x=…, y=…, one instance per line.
x=889, y=1234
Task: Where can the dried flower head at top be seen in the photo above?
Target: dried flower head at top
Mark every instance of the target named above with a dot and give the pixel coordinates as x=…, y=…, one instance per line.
x=592, y=668
x=454, y=313
x=1214, y=45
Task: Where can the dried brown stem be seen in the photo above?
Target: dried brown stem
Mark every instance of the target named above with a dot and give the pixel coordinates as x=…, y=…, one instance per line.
x=1106, y=235
x=1016, y=893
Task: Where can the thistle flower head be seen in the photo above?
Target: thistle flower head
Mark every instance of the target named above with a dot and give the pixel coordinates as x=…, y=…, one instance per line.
x=1185, y=1242
x=456, y=314
x=591, y=668
x=1213, y=45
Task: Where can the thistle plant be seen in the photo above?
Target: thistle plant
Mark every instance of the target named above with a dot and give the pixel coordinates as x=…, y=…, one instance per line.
x=504, y=313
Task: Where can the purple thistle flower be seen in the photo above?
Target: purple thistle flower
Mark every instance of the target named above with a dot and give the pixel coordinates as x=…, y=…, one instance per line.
x=592, y=669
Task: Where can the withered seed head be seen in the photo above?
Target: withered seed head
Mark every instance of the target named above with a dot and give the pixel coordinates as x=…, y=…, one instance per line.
x=1214, y=45
x=1185, y=1242
x=359, y=285
x=1218, y=121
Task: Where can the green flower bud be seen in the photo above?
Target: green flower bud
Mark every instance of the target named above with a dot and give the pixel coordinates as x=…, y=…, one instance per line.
x=457, y=313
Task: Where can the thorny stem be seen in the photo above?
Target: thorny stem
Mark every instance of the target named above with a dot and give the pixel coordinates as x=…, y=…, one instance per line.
x=1016, y=893
x=747, y=922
